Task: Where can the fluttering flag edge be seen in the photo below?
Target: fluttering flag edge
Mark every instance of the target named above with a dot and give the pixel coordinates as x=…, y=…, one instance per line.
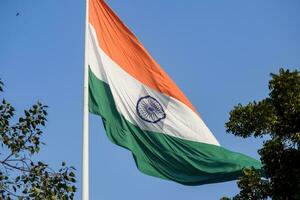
x=160, y=155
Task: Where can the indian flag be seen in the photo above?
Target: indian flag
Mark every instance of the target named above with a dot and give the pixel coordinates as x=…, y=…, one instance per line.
x=144, y=111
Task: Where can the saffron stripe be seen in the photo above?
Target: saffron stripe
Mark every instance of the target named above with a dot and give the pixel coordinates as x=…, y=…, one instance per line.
x=120, y=44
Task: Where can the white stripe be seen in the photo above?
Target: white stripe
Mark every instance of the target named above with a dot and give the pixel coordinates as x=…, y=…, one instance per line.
x=180, y=121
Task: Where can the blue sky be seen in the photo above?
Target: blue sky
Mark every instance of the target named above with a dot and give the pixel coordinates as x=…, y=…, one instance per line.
x=220, y=53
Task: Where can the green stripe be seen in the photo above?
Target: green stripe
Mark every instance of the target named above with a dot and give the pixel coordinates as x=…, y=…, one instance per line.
x=161, y=155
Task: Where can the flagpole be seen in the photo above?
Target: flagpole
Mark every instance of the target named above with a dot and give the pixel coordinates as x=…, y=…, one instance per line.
x=85, y=136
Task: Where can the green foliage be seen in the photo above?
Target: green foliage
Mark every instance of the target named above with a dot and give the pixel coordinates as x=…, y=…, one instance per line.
x=20, y=176
x=252, y=186
x=277, y=116
x=225, y=198
x=256, y=118
x=1, y=84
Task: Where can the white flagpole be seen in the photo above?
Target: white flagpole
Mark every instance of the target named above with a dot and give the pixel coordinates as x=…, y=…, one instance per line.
x=85, y=137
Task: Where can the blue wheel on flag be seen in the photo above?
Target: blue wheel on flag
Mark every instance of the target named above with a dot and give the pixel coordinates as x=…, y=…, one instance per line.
x=150, y=110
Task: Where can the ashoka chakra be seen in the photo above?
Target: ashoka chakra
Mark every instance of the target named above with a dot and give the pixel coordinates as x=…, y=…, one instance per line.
x=150, y=110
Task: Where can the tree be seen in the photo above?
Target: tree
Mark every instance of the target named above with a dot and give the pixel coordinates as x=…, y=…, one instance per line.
x=278, y=118
x=20, y=176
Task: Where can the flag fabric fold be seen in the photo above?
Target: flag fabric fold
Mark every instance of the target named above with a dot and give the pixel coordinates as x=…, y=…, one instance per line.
x=145, y=112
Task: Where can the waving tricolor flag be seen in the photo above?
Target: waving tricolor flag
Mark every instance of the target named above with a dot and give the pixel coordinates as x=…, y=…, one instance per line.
x=145, y=112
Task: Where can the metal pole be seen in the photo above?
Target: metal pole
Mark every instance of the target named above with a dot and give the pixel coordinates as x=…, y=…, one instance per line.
x=85, y=137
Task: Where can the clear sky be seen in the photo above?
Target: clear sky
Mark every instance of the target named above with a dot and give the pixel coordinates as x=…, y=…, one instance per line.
x=220, y=53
